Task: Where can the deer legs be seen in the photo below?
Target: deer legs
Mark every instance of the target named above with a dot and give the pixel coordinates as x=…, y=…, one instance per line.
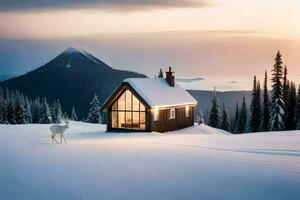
x=61, y=139
x=53, y=139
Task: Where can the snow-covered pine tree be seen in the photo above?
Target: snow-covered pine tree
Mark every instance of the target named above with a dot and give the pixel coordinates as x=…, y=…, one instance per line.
x=265, y=124
x=28, y=111
x=35, y=110
x=160, y=74
x=297, y=115
x=199, y=118
x=20, y=112
x=225, y=122
x=214, y=116
x=94, y=115
x=11, y=113
x=278, y=107
x=243, y=117
x=236, y=119
x=255, y=119
x=45, y=115
x=57, y=112
x=290, y=123
x=73, y=115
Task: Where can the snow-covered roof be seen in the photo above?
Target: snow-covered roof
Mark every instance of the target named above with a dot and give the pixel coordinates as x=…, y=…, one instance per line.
x=158, y=93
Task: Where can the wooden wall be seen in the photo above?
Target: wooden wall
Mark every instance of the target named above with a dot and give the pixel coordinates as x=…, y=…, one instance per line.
x=164, y=124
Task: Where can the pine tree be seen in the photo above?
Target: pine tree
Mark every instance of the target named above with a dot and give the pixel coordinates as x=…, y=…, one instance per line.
x=236, y=119
x=214, y=117
x=57, y=112
x=255, y=119
x=285, y=86
x=94, y=115
x=277, y=111
x=28, y=111
x=73, y=115
x=297, y=114
x=11, y=113
x=20, y=113
x=225, y=123
x=265, y=124
x=35, y=111
x=243, y=117
x=291, y=107
x=160, y=74
x=45, y=115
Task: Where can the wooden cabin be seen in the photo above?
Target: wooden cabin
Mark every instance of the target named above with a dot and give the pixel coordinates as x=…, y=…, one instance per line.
x=146, y=104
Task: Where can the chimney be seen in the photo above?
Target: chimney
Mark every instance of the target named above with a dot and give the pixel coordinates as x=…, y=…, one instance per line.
x=170, y=78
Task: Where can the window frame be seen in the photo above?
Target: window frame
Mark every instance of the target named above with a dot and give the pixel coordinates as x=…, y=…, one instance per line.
x=131, y=111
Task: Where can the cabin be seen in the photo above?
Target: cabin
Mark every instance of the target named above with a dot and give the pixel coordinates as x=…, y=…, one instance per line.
x=147, y=104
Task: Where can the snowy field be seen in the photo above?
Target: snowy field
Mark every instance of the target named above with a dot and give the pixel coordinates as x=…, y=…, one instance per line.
x=195, y=163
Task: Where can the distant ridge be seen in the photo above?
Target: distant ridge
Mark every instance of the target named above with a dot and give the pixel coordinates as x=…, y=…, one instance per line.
x=73, y=76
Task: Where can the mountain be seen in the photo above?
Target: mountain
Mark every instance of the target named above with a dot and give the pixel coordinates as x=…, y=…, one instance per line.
x=74, y=77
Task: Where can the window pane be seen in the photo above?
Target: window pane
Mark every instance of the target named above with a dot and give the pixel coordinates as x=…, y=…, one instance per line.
x=142, y=120
x=121, y=102
x=128, y=120
x=128, y=100
x=187, y=111
x=142, y=107
x=114, y=119
x=115, y=106
x=135, y=120
x=135, y=103
x=121, y=119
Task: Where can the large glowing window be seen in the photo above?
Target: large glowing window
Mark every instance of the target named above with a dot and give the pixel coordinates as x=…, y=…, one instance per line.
x=128, y=112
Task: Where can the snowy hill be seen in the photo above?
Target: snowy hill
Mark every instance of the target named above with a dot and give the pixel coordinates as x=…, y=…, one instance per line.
x=74, y=76
x=194, y=163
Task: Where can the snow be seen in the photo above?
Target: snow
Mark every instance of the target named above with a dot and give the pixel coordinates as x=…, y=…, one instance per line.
x=72, y=50
x=194, y=163
x=158, y=93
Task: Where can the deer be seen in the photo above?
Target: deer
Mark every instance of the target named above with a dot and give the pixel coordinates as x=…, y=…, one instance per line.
x=58, y=129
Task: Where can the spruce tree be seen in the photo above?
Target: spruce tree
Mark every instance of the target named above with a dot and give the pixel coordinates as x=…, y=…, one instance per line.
x=290, y=123
x=73, y=115
x=265, y=124
x=255, y=119
x=11, y=117
x=225, y=123
x=243, y=117
x=20, y=113
x=28, y=111
x=214, y=117
x=57, y=112
x=236, y=118
x=2, y=104
x=45, y=115
x=36, y=108
x=94, y=115
x=297, y=114
x=160, y=74
x=277, y=110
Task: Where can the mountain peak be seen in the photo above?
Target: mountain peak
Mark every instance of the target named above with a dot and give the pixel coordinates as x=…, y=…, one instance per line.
x=71, y=50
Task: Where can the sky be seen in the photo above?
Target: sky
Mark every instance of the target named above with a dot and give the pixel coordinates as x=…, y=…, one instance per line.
x=197, y=37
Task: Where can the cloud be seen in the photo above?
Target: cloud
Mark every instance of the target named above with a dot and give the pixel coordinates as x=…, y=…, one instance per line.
x=122, y=5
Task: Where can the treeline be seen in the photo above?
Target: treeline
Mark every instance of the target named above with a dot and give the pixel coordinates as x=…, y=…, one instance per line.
x=275, y=111
x=17, y=108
